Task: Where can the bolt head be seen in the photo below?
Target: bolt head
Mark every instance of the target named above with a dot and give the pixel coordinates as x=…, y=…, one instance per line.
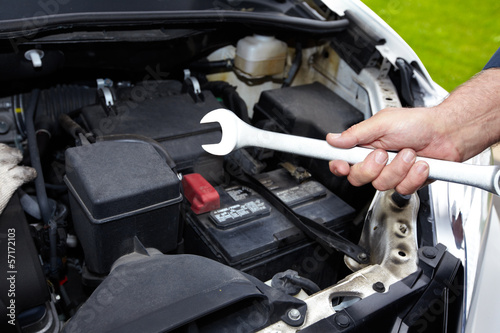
x=378, y=287
x=429, y=252
x=342, y=320
x=362, y=256
x=294, y=314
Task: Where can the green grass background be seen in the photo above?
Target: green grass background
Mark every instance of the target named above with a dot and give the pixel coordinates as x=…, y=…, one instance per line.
x=454, y=39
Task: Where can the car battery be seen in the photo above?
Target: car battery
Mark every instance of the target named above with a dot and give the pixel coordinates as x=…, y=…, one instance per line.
x=248, y=233
x=121, y=192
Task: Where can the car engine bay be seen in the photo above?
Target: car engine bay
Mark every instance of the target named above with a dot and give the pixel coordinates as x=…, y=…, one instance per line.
x=134, y=227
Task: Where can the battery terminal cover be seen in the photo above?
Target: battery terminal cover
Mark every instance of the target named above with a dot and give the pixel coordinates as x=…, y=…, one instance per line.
x=198, y=191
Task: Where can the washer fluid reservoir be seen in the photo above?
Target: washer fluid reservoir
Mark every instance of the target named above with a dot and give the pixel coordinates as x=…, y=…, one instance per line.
x=258, y=56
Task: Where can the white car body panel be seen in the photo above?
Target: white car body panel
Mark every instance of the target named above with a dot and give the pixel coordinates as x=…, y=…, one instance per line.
x=480, y=247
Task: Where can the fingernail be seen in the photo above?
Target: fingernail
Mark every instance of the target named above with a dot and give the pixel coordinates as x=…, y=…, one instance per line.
x=422, y=168
x=381, y=157
x=333, y=170
x=408, y=156
x=334, y=135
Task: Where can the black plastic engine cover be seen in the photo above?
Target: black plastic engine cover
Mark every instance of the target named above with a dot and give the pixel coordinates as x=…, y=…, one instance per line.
x=173, y=119
x=162, y=293
x=120, y=191
x=310, y=110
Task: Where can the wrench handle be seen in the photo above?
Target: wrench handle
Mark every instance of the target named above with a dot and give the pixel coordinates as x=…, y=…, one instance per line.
x=485, y=177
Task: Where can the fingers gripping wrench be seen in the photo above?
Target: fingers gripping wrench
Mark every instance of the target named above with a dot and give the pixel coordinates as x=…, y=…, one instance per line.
x=238, y=134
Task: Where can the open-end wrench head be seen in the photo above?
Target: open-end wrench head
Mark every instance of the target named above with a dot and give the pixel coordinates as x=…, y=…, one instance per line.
x=228, y=122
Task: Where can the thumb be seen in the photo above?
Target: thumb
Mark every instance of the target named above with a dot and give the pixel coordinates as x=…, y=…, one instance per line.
x=342, y=140
x=360, y=134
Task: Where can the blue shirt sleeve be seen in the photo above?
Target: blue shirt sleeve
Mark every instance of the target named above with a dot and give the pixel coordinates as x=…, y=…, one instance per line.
x=494, y=61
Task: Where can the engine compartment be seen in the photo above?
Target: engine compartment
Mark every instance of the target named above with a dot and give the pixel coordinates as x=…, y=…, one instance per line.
x=148, y=232
x=117, y=166
x=116, y=189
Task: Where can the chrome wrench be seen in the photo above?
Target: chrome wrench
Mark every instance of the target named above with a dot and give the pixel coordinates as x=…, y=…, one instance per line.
x=238, y=134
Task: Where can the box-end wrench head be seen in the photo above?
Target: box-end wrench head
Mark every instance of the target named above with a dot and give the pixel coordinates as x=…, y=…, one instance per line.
x=238, y=134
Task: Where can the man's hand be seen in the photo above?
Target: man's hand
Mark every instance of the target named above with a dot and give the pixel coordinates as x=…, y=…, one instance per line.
x=462, y=126
x=409, y=131
x=11, y=175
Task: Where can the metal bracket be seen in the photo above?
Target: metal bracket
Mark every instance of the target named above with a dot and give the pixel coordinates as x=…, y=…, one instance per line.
x=192, y=86
x=104, y=85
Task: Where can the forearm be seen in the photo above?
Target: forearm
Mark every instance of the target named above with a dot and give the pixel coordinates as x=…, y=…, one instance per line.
x=471, y=114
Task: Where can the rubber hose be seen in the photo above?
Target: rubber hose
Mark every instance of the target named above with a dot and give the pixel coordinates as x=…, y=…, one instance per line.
x=63, y=99
x=295, y=66
x=304, y=283
x=41, y=193
x=209, y=66
x=70, y=126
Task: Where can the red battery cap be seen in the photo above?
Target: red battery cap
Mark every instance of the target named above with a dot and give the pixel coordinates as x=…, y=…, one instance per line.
x=202, y=196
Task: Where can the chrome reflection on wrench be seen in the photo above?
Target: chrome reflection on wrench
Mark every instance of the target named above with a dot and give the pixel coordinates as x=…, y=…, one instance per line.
x=238, y=134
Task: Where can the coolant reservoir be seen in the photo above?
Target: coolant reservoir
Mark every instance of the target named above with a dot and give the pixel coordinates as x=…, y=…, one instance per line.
x=259, y=55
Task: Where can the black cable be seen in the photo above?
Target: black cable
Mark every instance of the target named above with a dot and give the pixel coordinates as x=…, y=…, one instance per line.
x=326, y=237
x=41, y=193
x=141, y=139
x=304, y=283
x=295, y=66
x=210, y=66
x=35, y=157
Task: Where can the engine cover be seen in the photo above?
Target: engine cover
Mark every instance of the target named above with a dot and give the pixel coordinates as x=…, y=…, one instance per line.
x=120, y=191
x=172, y=118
